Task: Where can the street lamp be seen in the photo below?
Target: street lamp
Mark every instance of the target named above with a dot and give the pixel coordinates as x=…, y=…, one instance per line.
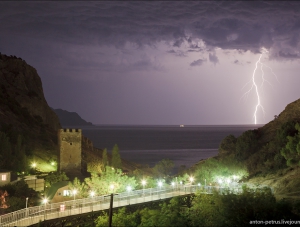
x=144, y=183
x=45, y=201
x=228, y=181
x=26, y=202
x=159, y=184
x=128, y=188
x=92, y=193
x=74, y=193
x=112, y=187
x=192, y=180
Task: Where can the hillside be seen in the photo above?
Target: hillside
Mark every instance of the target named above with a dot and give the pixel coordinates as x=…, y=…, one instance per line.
x=266, y=156
x=28, y=126
x=25, y=117
x=67, y=118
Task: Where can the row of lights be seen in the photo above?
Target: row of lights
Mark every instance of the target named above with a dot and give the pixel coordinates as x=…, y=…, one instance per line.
x=143, y=182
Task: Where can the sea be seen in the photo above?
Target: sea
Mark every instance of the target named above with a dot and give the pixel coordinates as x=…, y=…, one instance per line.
x=149, y=144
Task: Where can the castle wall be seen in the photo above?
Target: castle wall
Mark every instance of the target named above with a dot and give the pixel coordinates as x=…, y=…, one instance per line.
x=69, y=157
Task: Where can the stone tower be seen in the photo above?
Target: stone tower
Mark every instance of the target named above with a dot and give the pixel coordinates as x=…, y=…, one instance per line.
x=69, y=157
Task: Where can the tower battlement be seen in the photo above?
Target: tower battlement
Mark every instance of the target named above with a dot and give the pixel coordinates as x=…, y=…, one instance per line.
x=66, y=130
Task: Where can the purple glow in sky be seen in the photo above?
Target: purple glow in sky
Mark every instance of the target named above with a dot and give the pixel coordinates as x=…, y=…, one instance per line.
x=156, y=62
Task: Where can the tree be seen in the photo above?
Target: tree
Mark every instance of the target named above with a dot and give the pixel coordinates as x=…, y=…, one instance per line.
x=20, y=157
x=163, y=168
x=17, y=194
x=104, y=159
x=120, y=218
x=246, y=144
x=291, y=152
x=101, y=183
x=80, y=187
x=116, y=161
x=228, y=144
x=5, y=151
x=54, y=177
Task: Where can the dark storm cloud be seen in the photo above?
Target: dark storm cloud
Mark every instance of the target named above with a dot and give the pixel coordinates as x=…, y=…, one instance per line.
x=288, y=55
x=228, y=25
x=178, y=53
x=213, y=58
x=198, y=62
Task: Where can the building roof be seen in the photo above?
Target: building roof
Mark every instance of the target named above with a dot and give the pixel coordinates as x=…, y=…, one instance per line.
x=4, y=171
x=54, y=187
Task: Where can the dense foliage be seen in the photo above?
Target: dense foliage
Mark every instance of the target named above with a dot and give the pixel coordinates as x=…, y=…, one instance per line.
x=110, y=180
x=257, y=154
x=206, y=210
x=116, y=161
x=13, y=196
x=13, y=152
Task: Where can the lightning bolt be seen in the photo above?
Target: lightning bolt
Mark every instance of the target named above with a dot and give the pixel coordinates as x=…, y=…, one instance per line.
x=254, y=83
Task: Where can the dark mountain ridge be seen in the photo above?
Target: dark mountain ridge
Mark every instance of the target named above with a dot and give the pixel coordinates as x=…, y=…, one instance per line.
x=67, y=118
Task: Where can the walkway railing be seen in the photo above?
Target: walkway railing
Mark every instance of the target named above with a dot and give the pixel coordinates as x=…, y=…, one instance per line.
x=33, y=215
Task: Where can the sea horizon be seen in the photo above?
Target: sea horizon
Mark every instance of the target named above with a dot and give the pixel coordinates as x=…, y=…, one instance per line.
x=148, y=144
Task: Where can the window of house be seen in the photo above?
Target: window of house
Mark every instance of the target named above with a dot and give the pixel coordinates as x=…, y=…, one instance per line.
x=66, y=193
x=3, y=177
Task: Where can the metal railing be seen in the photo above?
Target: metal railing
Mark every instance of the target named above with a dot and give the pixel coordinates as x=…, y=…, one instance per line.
x=33, y=215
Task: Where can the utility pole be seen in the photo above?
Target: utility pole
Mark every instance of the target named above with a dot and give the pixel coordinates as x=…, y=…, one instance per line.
x=110, y=209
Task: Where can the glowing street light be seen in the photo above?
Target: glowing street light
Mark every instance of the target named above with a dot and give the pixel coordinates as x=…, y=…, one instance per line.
x=128, y=188
x=173, y=184
x=144, y=183
x=92, y=193
x=112, y=187
x=33, y=165
x=45, y=201
x=74, y=193
x=159, y=184
x=192, y=180
x=220, y=181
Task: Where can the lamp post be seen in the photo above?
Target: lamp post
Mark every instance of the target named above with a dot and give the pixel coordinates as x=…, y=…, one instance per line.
x=33, y=165
x=144, y=183
x=173, y=184
x=159, y=184
x=74, y=193
x=92, y=193
x=112, y=187
x=26, y=202
x=128, y=191
x=45, y=201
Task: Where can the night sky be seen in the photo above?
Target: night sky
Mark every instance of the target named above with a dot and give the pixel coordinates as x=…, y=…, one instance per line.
x=159, y=62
